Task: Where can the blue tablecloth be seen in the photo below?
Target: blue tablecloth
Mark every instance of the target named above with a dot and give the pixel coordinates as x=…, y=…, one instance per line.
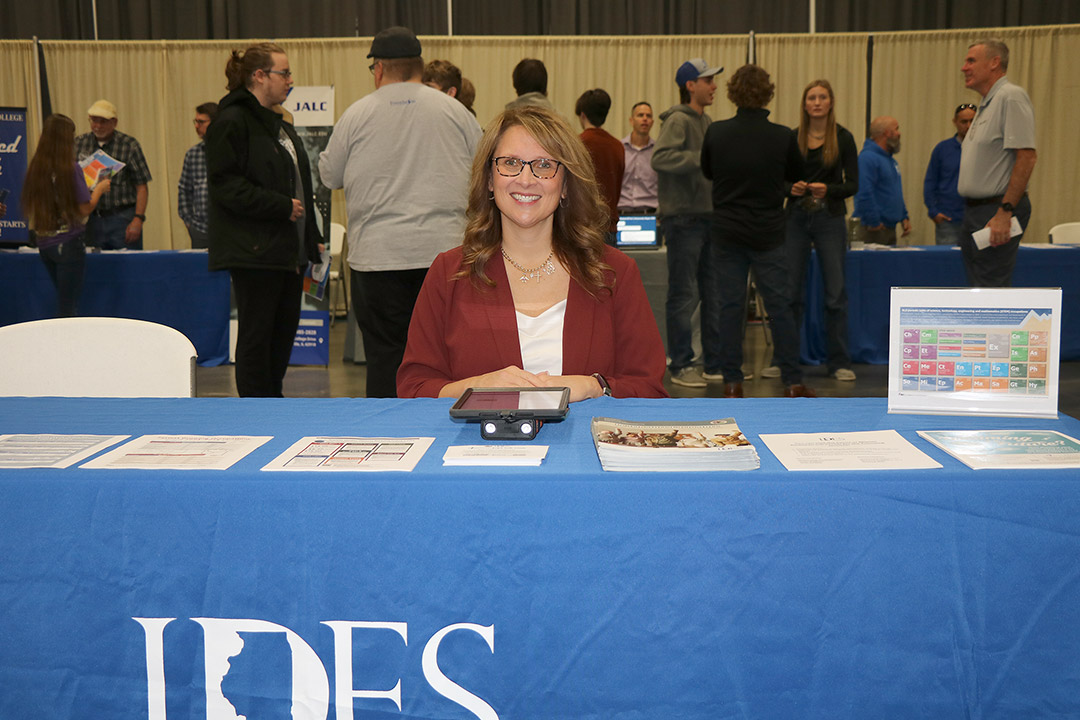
x=167, y=287
x=871, y=274
x=551, y=592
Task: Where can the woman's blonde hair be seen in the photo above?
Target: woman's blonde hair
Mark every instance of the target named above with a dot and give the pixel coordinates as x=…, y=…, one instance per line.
x=830, y=151
x=581, y=220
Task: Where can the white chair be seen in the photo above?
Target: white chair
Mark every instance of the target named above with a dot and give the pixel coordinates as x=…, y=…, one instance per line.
x=337, y=277
x=95, y=357
x=1065, y=234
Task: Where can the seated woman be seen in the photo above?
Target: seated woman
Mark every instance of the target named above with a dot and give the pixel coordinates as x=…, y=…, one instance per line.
x=533, y=297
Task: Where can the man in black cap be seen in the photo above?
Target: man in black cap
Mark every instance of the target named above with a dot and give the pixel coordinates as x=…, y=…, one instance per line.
x=403, y=154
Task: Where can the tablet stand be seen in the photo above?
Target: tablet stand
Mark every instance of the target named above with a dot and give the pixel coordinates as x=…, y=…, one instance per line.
x=509, y=428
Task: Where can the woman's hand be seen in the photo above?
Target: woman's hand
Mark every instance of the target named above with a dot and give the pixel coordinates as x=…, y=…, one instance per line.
x=816, y=189
x=799, y=188
x=510, y=376
x=582, y=387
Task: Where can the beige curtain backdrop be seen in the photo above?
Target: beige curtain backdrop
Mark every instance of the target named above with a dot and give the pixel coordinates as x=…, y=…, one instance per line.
x=917, y=79
x=157, y=84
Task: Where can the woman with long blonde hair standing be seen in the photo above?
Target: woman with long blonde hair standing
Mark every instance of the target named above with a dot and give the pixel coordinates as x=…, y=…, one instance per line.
x=57, y=202
x=816, y=210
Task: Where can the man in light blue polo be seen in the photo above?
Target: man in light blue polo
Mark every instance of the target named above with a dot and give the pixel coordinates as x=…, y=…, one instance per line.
x=996, y=161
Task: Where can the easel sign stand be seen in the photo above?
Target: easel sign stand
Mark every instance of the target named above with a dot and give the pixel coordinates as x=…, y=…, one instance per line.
x=975, y=351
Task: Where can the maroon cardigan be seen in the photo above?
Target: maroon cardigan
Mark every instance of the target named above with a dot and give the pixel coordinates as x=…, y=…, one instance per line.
x=459, y=330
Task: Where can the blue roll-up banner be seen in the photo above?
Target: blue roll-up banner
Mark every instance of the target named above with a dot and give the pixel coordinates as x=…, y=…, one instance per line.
x=312, y=109
x=13, y=227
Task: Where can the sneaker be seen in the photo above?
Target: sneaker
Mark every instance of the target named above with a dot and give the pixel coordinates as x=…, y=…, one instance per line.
x=844, y=374
x=719, y=377
x=770, y=372
x=688, y=377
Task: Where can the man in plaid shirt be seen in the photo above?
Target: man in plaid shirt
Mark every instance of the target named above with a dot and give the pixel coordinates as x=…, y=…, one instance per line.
x=117, y=221
x=193, y=190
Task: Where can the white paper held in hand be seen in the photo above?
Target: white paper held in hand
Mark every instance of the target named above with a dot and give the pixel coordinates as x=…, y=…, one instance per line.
x=982, y=237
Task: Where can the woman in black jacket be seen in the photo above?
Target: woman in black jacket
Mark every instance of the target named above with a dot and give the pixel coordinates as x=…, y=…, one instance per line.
x=262, y=214
x=816, y=211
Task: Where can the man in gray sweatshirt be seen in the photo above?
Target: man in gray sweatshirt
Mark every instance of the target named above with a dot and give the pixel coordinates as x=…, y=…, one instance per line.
x=685, y=208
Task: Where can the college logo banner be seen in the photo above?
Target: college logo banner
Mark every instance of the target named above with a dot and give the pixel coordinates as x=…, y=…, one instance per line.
x=13, y=227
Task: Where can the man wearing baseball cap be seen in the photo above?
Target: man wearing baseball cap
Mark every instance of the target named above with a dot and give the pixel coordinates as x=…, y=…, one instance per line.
x=685, y=208
x=403, y=154
x=117, y=222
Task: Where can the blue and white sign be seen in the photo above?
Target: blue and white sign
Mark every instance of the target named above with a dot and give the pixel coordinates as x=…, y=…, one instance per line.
x=13, y=227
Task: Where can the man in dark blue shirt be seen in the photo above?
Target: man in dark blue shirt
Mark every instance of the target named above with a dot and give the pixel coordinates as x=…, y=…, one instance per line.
x=943, y=203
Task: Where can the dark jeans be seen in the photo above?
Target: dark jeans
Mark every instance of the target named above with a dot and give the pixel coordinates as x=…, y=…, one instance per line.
x=723, y=308
x=684, y=236
x=992, y=267
x=828, y=235
x=107, y=232
x=66, y=265
x=383, y=302
x=947, y=233
x=268, y=313
x=199, y=239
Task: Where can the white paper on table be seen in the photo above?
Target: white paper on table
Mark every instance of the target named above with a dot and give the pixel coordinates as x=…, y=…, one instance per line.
x=51, y=451
x=982, y=237
x=179, y=452
x=491, y=455
x=352, y=454
x=867, y=450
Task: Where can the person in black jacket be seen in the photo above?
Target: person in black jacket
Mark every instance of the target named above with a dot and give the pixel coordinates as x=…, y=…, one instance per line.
x=749, y=159
x=262, y=214
x=816, y=211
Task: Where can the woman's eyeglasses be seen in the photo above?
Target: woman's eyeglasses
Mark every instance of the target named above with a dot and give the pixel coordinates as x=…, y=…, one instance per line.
x=542, y=168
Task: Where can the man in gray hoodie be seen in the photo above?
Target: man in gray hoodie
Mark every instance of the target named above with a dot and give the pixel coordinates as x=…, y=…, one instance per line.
x=685, y=208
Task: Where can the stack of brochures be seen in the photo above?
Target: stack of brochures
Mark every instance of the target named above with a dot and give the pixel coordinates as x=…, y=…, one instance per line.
x=711, y=445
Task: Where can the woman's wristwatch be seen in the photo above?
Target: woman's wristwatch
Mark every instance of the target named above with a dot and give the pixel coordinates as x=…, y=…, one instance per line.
x=604, y=387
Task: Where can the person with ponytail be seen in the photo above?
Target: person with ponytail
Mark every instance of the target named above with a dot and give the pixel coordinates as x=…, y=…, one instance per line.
x=262, y=214
x=816, y=211
x=56, y=202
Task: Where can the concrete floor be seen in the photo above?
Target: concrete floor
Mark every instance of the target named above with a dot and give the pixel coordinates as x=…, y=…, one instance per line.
x=346, y=379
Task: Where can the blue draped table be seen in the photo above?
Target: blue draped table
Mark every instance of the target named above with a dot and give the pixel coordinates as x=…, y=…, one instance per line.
x=891, y=594
x=167, y=287
x=871, y=273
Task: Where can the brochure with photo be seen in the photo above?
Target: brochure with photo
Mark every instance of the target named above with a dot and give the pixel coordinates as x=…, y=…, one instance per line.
x=625, y=445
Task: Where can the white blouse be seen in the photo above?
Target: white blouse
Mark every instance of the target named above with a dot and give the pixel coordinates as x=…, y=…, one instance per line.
x=541, y=340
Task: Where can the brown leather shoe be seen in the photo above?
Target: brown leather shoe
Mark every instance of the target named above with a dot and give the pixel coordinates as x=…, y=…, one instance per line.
x=799, y=390
x=733, y=390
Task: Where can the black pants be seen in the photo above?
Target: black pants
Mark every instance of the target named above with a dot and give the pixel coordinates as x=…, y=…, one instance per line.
x=383, y=302
x=992, y=266
x=66, y=265
x=268, y=313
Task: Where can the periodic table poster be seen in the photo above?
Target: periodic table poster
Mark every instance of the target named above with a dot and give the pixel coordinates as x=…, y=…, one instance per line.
x=978, y=351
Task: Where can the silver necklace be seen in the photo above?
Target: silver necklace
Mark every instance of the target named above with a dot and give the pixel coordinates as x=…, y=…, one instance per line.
x=547, y=268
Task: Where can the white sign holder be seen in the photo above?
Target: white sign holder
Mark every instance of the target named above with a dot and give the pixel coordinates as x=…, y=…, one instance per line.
x=975, y=351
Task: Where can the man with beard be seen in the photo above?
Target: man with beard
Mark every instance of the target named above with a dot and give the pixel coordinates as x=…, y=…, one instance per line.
x=879, y=204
